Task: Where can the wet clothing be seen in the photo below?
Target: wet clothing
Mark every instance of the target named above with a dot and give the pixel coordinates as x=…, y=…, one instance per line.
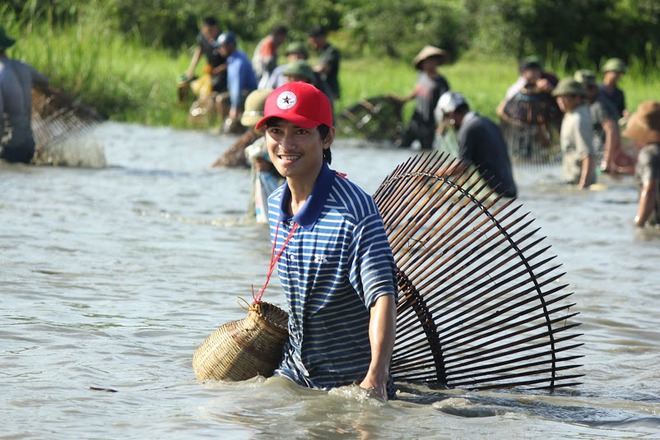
x=648, y=168
x=336, y=265
x=16, y=80
x=616, y=99
x=480, y=143
x=422, y=125
x=576, y=140
x=214, y=59
x=241, y=79
x=330, y=55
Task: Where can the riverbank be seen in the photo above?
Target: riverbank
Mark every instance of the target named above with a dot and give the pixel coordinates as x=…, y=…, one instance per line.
x=131, y=83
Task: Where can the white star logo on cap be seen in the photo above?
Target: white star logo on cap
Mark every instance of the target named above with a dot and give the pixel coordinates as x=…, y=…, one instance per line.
x=286, y=100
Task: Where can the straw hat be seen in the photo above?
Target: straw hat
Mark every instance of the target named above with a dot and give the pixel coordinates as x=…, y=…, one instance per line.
x=430, y=52
x=243, y=349
x=643, y=126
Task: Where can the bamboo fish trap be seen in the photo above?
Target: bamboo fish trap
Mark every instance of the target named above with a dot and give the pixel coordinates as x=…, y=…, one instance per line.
x=480, y=302
x=245, y=348
x=56, y=118
x=530, y=125
x=378, y=118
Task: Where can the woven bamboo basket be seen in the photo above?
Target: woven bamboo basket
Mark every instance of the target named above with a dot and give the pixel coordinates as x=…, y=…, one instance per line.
x=245, y=348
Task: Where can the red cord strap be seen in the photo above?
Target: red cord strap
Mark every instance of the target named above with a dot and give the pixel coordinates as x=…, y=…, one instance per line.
x=273, y=261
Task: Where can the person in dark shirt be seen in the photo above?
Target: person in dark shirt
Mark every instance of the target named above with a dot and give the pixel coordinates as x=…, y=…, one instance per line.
x=206, y=45
x=609, y=90
x=480, y=143
x=17, y=142
x=329, y=58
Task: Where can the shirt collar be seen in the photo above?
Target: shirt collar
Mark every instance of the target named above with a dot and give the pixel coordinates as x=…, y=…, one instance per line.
x=311, y=210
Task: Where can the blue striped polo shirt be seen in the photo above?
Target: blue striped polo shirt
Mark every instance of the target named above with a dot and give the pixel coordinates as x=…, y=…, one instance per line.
x=335, y=266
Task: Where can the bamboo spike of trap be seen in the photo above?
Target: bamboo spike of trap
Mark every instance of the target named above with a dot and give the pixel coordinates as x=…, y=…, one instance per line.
x=481, y=305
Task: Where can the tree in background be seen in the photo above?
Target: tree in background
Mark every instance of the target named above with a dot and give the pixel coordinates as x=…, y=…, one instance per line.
x=577, y=32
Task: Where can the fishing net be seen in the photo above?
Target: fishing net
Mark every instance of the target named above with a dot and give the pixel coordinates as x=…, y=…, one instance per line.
x=480, y=301
x=60, y=124
x=378, y=118
x=530, y=124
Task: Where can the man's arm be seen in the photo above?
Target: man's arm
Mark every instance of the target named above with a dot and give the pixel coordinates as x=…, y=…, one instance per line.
x=194, y=61
x=382, y=332
x=587, y=171
x=646, y=202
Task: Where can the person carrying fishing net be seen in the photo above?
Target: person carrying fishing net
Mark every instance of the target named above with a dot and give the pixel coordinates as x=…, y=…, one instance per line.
x=331, y=250
x=16, y=80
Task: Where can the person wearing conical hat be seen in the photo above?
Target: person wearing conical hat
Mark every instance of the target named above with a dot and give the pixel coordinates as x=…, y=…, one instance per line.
x=643, y=128
x=576, y=134
x=613, y=69
x=16, y=81
x=428, y=88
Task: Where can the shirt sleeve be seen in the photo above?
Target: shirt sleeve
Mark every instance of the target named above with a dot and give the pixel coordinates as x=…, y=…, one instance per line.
x=373, y=272
x=584, y=135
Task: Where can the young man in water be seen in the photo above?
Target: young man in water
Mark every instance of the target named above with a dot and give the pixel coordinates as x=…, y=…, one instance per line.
x=336, y=265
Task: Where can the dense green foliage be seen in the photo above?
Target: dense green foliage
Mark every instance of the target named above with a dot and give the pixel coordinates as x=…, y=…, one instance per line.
x=582, y=31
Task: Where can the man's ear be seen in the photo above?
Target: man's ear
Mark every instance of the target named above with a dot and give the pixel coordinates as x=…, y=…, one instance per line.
x=329, y=139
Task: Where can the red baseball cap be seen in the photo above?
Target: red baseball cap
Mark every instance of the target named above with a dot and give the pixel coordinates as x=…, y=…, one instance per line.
x=299, y=103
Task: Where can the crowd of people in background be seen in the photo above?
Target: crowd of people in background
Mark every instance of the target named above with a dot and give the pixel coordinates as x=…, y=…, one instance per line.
x=235, y=75
x=589, y=115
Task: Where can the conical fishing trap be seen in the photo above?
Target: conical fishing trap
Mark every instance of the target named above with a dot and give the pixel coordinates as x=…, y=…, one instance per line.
x=480, y=303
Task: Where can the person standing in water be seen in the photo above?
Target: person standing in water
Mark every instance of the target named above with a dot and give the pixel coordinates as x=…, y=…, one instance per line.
x=16, y=81
x=336, y=265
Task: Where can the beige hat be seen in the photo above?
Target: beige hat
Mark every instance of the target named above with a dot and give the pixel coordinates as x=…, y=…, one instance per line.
x=567, y=87
x=643, y=126
x=614, y=65
x=254, y=107
x=430, y=52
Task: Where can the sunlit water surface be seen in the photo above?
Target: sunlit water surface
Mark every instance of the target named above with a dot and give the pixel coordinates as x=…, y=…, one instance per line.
x=112, y=277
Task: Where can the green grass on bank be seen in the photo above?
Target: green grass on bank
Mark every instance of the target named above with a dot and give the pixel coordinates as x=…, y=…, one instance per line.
x=129, y=82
